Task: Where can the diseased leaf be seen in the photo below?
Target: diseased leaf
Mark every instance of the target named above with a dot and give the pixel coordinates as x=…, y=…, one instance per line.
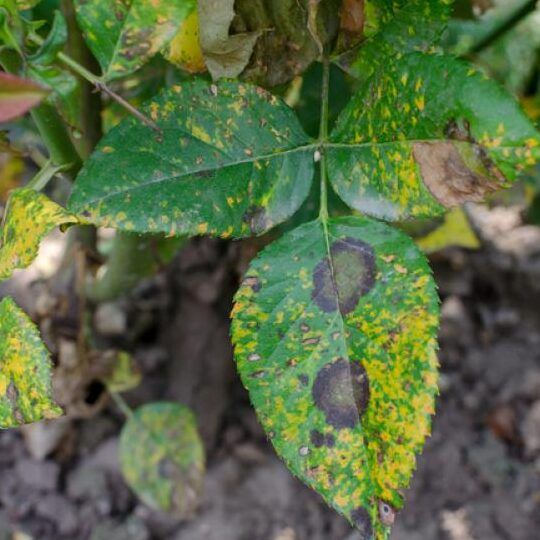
x=125, y=375
x=25, y=370
x=185, y=50
x=454, y=231
x=29, y=216
x=123, y=35
x=334, y=328
x=18, y=96
x=425, y=134
x=162, y=457
x=225, y=55
x=232, y=160
x=400, y=27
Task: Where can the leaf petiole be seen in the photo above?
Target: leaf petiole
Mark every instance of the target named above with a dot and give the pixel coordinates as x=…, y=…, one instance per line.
x=45, y=175
x=99, y=83
x=323, y=137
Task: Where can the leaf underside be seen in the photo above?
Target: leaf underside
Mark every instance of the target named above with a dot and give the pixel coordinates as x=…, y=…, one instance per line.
x=28, y=218
x=162, y=457
x=426, y=134
x=25, y=370
x=125, y=35
x=335, y=339
x=232, y=160
x=18, y=96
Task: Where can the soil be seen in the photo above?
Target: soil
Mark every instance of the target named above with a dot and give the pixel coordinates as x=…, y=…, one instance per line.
x=478, y=479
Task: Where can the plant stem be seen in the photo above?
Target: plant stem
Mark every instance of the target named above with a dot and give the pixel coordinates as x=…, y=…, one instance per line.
x=90, y=119
x=42, y=178
x=323, y=137
x=56, y=138
x=503, y=25
x=99, y=84
x=121, y=404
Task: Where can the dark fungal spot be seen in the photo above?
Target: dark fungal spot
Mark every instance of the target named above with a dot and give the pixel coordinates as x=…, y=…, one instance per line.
x=362, y=521
x=341, y=392
x=387, y=514
x=304, y=379
x=319, y=440
x=256, y=219
x=253, y=282
x=350, y=276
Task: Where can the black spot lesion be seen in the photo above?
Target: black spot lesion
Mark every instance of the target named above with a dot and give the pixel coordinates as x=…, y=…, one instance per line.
x=339, y=281
x=318, y=439
x=341, y=392
x=363, y=523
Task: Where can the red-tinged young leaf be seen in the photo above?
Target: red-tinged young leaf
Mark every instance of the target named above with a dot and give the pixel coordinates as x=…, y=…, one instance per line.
x=18, y=96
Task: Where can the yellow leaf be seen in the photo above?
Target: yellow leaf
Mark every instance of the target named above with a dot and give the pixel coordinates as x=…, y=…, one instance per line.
x=184, y=50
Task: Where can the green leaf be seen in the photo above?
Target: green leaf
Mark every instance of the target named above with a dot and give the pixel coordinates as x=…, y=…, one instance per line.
x=226, y=56
x=425, y=134
x=18, y=96
x=162, y=457
x=54, y=43
x=123, y=35
x=454, y=231
x=27, y=4
x=125, y=374
x=334, y=329
x=29, y=216
x=394, y=29
x=25, y=370
x=232, y=160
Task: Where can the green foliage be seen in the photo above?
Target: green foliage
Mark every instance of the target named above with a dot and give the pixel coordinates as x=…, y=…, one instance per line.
x=425, y=134
x=29, y=216
x=124, y=35
x=25, y=370
x=162, y=457
x=231, y=160
x=334, y=329
x=393, y=29
x=335, y=323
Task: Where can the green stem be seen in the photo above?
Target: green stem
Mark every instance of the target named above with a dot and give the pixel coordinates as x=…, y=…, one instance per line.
x=42, y=178
x=90, y=99
x=323, y=138
x=503, y=25
x=56, y=138
x=121, y=404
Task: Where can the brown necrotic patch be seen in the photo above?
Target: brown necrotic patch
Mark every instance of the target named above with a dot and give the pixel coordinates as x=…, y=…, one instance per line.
x=349, y=276
x=341, y=392
x=456, y=172
x=362, y=521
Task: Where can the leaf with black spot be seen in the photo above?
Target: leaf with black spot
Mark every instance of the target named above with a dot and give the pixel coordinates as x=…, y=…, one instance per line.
x=392, y=29
x=124, y=35
x=425, y=134
x=231, y=161
x=334, y=329
x=25, y=370
x=162, y=458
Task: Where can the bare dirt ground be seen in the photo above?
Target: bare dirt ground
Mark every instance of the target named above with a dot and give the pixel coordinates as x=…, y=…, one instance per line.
x=478, y=479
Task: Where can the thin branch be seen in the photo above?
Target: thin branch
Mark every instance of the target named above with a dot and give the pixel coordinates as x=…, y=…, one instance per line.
x=99, y=84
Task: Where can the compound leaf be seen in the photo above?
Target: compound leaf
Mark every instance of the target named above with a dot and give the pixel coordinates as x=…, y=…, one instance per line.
x=393, y=29
x=124, y=34
x=29, y=216
x=18, y=96
x=25, y=370
x=162, y=457
x=334, y=329
x=232, y=160
x=425, y=134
